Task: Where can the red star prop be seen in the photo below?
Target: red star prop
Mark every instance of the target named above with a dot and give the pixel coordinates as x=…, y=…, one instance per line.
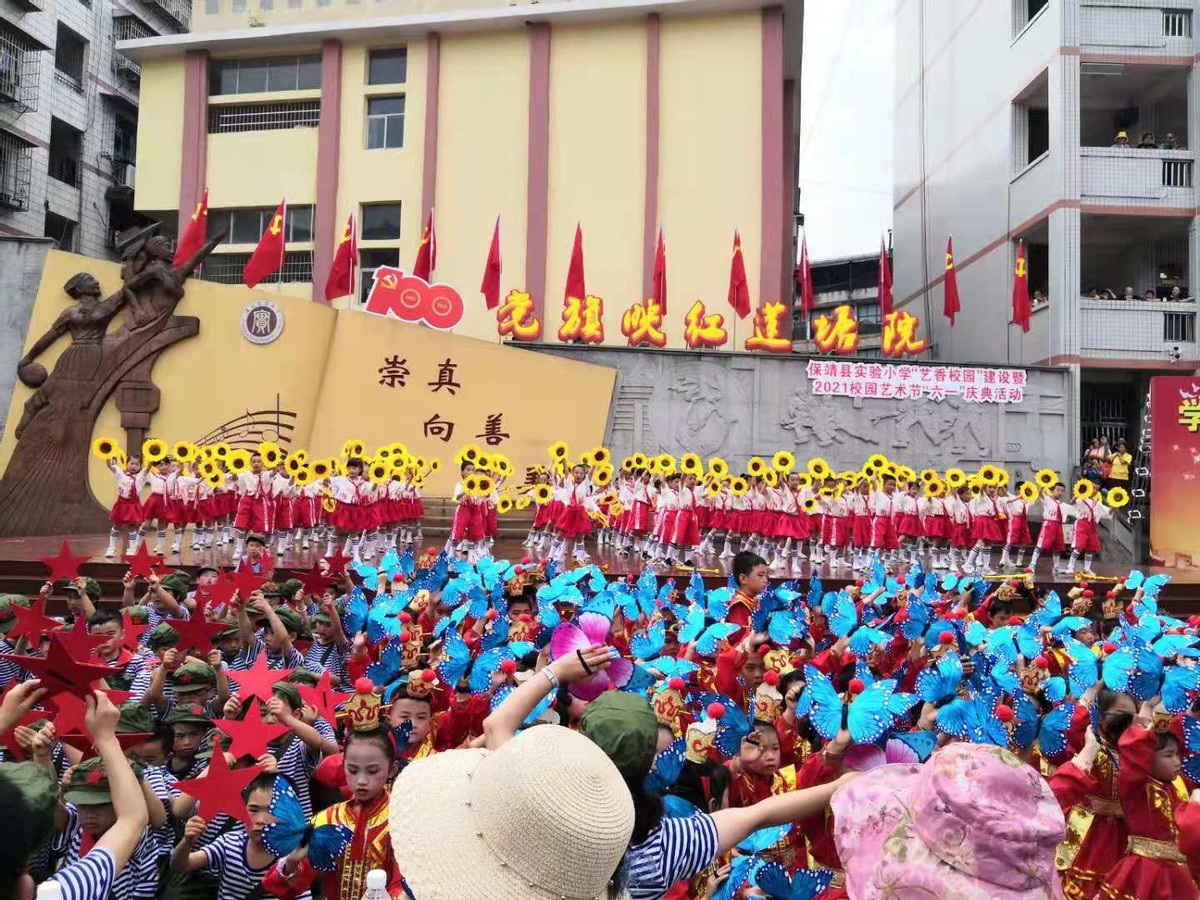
x=251, y=735
x=220, y=592
x=324, y=698
x=33, y=622
x=258, y=680
x=160, y=566
x=78, y=642
x=133, y=632
x=220, y=789
x=69, y=712
x=59, y=669
x=14, y=751
x=247, y=583
x=314, y=580
x=197, y=632
x=141, y=564
x=83, y=742
x=337, y=562
x=65, y=566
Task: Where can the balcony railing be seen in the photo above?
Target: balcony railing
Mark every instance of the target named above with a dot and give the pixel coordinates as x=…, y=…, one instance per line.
x=1138, y=329
x=1117, y=176
x=178, y=11
x=16, y=167
x=18, y=70
x=128, y=28
x=1164, y=29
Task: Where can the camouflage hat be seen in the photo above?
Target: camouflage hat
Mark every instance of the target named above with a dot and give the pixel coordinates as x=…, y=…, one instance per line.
x=289, y=693
x=231, y=629
x=163, y=635
x=39, y=791
x=89, y=784
x=138, y=615
x=304, y=677
x=290, y=618
x=270, y=589
x=8, y=618
x=91, y=587
x=322, y=616
x=135, y=719
x=188, y=714
x=191, y=677
x=290, y=588
x=178, y=583
x=256, y=539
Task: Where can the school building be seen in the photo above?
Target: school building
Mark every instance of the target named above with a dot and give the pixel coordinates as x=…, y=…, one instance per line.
x=621, y=115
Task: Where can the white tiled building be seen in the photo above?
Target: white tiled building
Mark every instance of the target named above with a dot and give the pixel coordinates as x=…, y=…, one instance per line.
x=68, y=115
x=1006, y=116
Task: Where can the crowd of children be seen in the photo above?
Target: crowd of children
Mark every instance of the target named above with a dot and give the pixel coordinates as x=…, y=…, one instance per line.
x=248, y=730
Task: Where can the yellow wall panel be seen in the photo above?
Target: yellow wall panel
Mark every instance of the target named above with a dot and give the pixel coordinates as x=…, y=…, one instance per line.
x=260, y=168
x=160, y=134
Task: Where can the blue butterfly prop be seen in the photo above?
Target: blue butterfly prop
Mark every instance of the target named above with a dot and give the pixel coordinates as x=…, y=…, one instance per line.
x=922, y=743
x=504, y=690
x=941, y=680
x=807, y=884
x=666, y=768
x=734, y=725
x=867, y=717
x=741, y=869
x=457, y=661
x=972, y=720
x=764, y=838
x=291, y=829
x=1084, y=670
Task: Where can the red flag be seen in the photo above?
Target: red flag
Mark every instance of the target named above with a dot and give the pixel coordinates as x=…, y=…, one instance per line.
x=739, y=290
x=267, y=258
x=885, y=280
x=950, y=304
x=195, y=235
x=1021, y=310
x=806, y=283
x=490, y=288
x=427, y=252
x=342, y=273
x=575, y=284
x=658, y=289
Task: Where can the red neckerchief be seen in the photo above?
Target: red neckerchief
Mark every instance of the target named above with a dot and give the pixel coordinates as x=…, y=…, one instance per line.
x=120, y=662
x=87, y=841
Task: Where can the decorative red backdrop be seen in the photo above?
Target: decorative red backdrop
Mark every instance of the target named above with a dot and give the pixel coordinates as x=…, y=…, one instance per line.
x=1175, y=470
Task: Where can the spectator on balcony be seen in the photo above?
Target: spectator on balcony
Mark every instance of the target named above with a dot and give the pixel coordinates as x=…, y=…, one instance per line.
x=1107, y=294
x=1093, y=294
x=1147, y=142
x=1178, y=295
x=1170, y=142
x=1121, y=140
x=1129, y=294
x=1151, y=295
x=1118, y=467
x=1039, y=299
x=1094, y=461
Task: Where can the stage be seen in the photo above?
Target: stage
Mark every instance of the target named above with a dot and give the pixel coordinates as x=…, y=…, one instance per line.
x=22, y=572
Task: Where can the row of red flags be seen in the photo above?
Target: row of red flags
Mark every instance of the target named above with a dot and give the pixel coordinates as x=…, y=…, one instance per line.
x=268, y=258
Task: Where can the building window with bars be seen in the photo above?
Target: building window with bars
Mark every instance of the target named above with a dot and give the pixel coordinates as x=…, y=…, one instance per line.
x=259, y=74
x=1177, y=23
x=19, y=68
x=128, y=28
x=66, y=145
x=16, y=166
x=385, y=123
x=226, y=268
x=69, y=50
x=246, y=226
x=224, y=118
x=388, y=66
x=61, y=229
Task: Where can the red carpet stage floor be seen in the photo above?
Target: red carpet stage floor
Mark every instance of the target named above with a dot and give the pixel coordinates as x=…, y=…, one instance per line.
x=21, y=569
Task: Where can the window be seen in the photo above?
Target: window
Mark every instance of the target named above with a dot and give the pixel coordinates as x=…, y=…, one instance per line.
x=212, y=7
x=1038, y=133
x=60, y=229
x=69, y=49
x=226, y=268
x=20, y=63
x=1024, y=12
x=239, y=6
x=263, y=116
x=381, y=222
x=16, y=165
x=388, y=66
x=254, y=75
x=65, y=148
x=385, y=123
x=1177, y=23
x=124, y=149
x=370, y=260
x=246, y=226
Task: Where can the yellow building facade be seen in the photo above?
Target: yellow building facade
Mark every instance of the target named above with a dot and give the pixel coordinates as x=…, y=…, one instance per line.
x=622, y=116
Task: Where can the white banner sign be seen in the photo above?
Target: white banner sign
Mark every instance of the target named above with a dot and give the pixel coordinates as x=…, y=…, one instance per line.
x=889, y=381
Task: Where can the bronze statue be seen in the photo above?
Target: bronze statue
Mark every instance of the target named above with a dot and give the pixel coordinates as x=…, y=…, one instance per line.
x=45, y=489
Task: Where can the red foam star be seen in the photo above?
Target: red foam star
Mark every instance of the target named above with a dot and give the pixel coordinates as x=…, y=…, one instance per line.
x=314, y=580
x=69, y=712
x=323, y=697
x=83, y=742
x=14, y=751
x=133, y=632
x=337, y=562
x=78, y=642
x=33, y=622
x=220, y=592
x=219, y=790
x=251, y=735
x=65, y=566
x=141, y=563
x=258, y=680
x=196, y=633
x=247, y=583
x=59, y=669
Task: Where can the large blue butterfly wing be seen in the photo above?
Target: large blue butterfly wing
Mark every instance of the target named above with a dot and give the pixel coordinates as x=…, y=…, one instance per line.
x=284, y=835
x=1084, y=670
x=921, y=742
x=1191, y=734
x=826, y=709
x=646, y=644
x=667, y=767
x=1179, y=682
x=869, y=715
x=327, y=844
x=1052, y=735
x=765, y=838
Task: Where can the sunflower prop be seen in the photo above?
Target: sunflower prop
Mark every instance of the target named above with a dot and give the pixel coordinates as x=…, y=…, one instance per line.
x=770, y=477
x=718, y=467
x=222, y=451
x=435, y=465
x=690, y=464
x=504, y=505
x=1117, y=497
x=666, y=464
x=384, y=452
x=379, y=472
x=810, y=505
x=329, y=505
x=1084, y=489
x=804, y=480
x=876, y=462
x=484, y=485
x=989, y=474
x=934, y=488
x=714, y=488
x=468, y=454
x=818, y=468
x=600, y=455
x=756, y=466
x=559, y=451
x=184, y=451
x=471, y=484
x=105, y=448
x=639, y=460
x=239, y=461
x=208, y=467
x=522, y=503
x=603, y=476
x=928, y=476
x=739, y=486
x=303, y=476
x=154, y=450
x=1028, y=491
x=271, y=455
x=120, y=459
x=293, y=464
x=320, y=469
x=541, y=494
x=354, y=448
x=783, y=462
x=1046, y=478
x=955, y=478
x=627, y=465
x=1003, y=479
x=214, y=479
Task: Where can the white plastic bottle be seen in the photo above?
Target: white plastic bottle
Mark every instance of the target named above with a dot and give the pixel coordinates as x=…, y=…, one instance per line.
x=376, y=886
x=49, y=890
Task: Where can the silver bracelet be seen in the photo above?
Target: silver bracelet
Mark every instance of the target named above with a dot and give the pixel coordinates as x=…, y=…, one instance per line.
x=551, y=677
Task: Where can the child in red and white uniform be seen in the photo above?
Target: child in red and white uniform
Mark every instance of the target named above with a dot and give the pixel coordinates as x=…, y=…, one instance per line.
x=411, y=533
x=541, y=514
x=1016, y=536
x=490, y=525
x=126, y=512
x=858, y=512
x=1085, y=540
x=1050, y=535
x=574, y=524
x=987, y=529
x=758, y=519
x=958, y=507
x=835, y=527
x=466, y=530
x=883, y=520
x=631, y=489
x=155, y=511
x=283, y=490
x=306, y=513
x=908, y=523
x=185, y=490
x=685, y=534
x=791, y=525
x=558, y=484
x=352, y=516
x=207, y=514
x=664, y=518
x=736, y=511
x=227, y=501
x=255, y=509
x=935, y=524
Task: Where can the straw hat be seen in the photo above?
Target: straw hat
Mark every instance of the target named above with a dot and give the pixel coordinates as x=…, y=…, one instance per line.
x=547, y=815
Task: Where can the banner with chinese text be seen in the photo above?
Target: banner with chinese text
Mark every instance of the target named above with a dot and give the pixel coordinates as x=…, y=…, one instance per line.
x=1175, y=470
x=903, y=381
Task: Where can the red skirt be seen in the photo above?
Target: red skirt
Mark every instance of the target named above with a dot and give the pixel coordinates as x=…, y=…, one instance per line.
x=556, y=510
x=207, y=509
x=718, y=520
x=307, y=512
x=489, y=521
x=349, y=517
x=1142, y=877
x=468, y=523
x=1050, y=537
x=127, y=512
x=639, y=517
x=1018, y=531
x=418, y=509
x=574, y=523
x=154, y=508
x=665, y=529
x=960, y=535
x=792, y=525
x=542, y=517
x=883, y=533
x=704, y=516
x=937, y=526
x=908, y=525
x=686, y=532
x=1087, y=539
x=860, y=532
x=987, y=528
x=255, y=514
x=226, y=502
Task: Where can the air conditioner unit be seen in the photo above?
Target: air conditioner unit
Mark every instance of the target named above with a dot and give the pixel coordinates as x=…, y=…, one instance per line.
x=128, y=176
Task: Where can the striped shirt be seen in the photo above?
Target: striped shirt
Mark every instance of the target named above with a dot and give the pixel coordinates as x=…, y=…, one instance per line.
x=138, y=880
x=247, y=655
x=328, y=656
x=154, y=617
x=297, y=761
x=226, y=859
x=9, y=671
x=678, y=850
x=91, y=878
x=164, y=785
